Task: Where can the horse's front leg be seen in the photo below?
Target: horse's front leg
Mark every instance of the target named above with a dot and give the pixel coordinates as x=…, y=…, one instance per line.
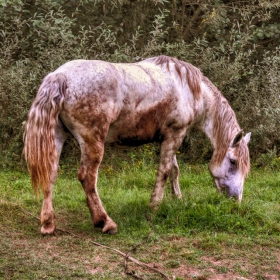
x=167, y=167
x=174, y=178
x=91, y=158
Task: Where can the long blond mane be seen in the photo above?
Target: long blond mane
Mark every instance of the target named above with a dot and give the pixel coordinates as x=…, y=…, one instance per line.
x=191, y=74
x=225, y=128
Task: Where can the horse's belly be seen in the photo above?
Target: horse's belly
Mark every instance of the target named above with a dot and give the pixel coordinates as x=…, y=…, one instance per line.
x=133, y=134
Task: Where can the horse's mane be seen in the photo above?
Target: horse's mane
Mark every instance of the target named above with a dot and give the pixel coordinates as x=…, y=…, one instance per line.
x=225, y=128
x=184, y=70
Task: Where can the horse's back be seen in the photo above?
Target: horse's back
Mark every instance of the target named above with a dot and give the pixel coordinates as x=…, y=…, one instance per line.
x=131, y=102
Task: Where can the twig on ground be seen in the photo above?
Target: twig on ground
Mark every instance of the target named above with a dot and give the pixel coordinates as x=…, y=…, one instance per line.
x=126, y=256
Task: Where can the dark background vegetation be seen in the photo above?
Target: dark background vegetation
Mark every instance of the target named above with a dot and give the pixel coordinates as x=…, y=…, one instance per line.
x=234, y=42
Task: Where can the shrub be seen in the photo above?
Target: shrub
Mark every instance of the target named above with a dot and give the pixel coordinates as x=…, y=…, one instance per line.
x=236, y=46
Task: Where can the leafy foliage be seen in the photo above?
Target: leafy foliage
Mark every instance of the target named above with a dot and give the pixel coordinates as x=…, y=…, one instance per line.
x=235, y=43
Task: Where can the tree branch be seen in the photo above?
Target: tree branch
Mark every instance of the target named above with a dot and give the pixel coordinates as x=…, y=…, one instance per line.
x=190, y=24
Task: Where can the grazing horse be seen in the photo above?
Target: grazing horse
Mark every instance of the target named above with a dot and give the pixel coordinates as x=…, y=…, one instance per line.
x=128, y=104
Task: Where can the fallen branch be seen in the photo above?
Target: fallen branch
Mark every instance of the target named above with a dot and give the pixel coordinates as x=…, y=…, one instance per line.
x=126, y=256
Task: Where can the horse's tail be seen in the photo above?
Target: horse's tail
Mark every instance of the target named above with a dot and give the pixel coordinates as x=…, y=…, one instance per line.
x=39, y=134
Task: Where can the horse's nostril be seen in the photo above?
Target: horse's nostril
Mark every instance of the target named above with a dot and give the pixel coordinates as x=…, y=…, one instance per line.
x=232, y=192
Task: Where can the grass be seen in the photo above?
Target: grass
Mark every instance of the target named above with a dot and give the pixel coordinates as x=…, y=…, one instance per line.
x=203, y=236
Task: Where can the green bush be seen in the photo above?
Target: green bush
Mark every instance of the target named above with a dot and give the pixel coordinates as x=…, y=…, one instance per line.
x=236, y=45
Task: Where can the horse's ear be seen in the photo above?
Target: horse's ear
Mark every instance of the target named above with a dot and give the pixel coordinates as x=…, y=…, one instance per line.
x=247, y=137
x=236, y=139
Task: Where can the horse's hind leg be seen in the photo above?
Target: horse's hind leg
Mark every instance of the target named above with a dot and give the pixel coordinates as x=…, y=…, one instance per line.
x=92, y=153
x=174, y=178
x=47, y=214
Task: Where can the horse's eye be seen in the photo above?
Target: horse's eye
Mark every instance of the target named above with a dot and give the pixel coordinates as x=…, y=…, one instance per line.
x=232, y=161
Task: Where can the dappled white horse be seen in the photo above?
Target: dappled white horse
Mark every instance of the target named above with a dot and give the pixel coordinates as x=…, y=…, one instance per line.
x=159, y=99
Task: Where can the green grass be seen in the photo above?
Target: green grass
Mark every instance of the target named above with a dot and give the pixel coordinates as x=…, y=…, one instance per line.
x=199, y=237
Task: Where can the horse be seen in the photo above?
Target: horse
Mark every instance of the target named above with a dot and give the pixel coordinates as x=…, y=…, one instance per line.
x=158, y=99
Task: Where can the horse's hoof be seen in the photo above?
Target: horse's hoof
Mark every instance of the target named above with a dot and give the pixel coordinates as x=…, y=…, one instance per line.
x=48, y=230
x=110, y=227
x=154, y=205
x=112, y=231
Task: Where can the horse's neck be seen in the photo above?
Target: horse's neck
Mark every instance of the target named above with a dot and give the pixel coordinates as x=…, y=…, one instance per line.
x=207, y=127
x=218, y=121
x=206, y=122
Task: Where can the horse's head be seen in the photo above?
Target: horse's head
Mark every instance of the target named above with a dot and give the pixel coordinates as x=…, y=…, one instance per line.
x=230, y=172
